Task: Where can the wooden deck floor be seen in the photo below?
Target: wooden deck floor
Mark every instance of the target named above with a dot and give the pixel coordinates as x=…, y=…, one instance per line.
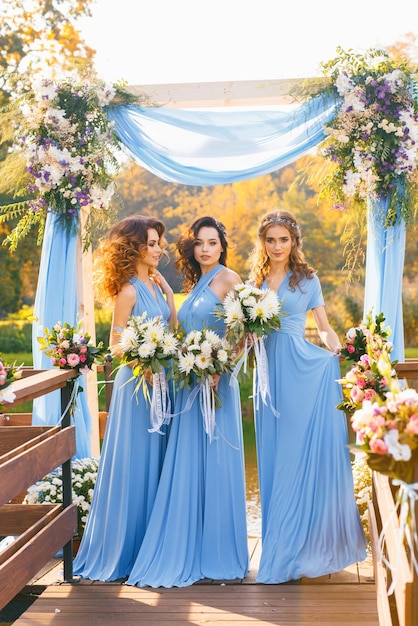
x=347, y=597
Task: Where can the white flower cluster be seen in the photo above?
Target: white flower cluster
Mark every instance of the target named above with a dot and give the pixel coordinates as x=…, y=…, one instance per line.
x=148, y=341
x=203, y=350
x=66, y=144
x=362, y=478
x=377, y=123
x=83, y=478
x=248, y=309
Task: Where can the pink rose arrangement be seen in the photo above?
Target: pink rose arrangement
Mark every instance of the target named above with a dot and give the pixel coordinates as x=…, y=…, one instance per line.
x=365, y=344
x=69, y=347
x=387, y=427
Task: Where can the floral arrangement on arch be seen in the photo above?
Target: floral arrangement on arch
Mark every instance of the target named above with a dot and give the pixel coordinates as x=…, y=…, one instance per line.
x=9, y=372
x=83, y=479
x=373, y=138
x=201, y=356
x=70, y=150
x=364, y=345
x=148, y=346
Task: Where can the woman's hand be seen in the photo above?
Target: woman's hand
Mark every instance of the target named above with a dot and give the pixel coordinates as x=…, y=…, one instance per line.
x=215, y=381
x=158, y=278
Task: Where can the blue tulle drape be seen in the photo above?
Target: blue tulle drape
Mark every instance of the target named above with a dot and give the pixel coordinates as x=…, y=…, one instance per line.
x=57, y=301
x=212, y=146
x=384, y=269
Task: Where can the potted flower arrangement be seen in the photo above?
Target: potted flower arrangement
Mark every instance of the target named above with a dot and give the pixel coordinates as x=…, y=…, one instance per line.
x=83, y=478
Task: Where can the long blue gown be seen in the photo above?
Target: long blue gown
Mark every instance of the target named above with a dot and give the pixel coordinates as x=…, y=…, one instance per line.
x=310, y=521
x=128, y=475
x=198, y=528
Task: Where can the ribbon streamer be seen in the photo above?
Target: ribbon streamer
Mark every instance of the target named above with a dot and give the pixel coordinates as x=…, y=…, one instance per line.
x=405, y=504
x=160, y=411
x=262, y=384
x=207, y=406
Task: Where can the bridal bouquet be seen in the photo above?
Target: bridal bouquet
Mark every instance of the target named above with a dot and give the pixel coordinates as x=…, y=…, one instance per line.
x=70, y=347
x=203, y=354
x=248, y=310
x=148, y=346
x=364, y=381
x=250, y=314
x=8, y=374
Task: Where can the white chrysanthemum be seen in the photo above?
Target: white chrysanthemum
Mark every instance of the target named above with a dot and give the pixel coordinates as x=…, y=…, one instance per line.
x=186, y=362
x=155, y=332
x=206, y=348
x=234, y=312
x=193, y=337
x=259, y=311
x=271, y=303
x=128, y=341
x=212, y=337
x=169, y=344
x=223, y=356
x=203, y=361
x=145, y=350
x=343, y=84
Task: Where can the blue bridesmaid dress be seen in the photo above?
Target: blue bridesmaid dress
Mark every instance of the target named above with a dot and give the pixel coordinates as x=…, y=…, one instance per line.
x=198, y=528
x=310, y=521
x=129, y=471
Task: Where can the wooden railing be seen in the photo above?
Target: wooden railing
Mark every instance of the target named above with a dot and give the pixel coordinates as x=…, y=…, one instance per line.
x=27, y=454
x=401, y=607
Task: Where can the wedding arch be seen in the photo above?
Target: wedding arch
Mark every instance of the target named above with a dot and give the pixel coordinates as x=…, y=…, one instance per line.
x=222, y=133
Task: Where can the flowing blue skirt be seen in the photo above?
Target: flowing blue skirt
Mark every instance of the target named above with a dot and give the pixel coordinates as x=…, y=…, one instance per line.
x=310, y=520
x=198, y=528
x=129, y=470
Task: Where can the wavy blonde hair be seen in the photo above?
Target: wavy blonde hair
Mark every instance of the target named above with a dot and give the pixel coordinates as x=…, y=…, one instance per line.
x=260, y=262
x=116, y=258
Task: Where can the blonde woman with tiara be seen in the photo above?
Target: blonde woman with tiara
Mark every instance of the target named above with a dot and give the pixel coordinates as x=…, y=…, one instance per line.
x=310, y=521
x=131, y=458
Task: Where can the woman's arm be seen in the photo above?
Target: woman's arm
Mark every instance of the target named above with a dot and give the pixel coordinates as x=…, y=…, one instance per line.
x=327, y=334
x=124, y=304
x=169, y=294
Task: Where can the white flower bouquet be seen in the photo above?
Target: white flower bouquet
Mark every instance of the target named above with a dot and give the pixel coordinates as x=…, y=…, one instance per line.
x=83, y=478
x=148, y=347
x=251, y=313
x=201, y=356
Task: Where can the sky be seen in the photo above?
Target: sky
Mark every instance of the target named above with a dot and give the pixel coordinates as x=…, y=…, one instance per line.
x=149, y=42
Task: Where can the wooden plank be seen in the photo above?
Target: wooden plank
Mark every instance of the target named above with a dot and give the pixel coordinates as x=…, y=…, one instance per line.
x=25, y=563
x=39, y=383
x=25, y=531
x=15, y=519
x=23, y=470
x=383, y=607
x=16, y=439
x=229, y=605
x=15, y=419
x=219, y=94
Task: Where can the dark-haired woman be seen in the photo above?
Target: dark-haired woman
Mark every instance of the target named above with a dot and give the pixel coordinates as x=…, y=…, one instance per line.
x=198, y=528
x=310, y=521
x=131, y=457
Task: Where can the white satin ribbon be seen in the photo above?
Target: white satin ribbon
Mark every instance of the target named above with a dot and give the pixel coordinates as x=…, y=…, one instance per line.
x=405, y=504
x=160, y=410
x=207, y=406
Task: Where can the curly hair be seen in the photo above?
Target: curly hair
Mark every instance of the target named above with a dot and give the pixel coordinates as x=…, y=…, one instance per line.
x=117, y=256
x=186, y=263
x=259, y=260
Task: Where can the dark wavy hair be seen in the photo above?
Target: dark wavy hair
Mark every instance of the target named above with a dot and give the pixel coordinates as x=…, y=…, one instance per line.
x=186, y=263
